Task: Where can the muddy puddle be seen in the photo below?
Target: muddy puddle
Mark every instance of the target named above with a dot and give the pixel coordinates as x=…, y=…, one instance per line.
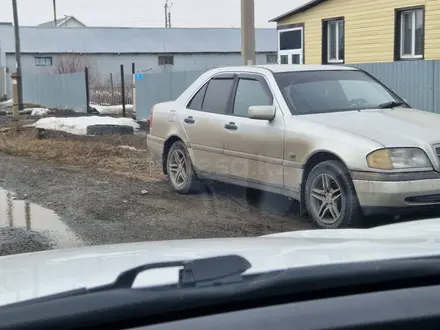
x=34, y=219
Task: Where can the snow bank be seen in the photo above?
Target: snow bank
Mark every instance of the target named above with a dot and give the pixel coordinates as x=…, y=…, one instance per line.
x=38, y=112
x=78, y=125
x=6, y=103
x=111, y=109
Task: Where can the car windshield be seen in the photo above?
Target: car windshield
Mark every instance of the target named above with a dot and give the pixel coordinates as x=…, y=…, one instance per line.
x=145, y=132
x=309, y=92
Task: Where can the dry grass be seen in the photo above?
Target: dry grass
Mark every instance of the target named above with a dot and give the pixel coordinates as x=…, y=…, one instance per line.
x=101, y=153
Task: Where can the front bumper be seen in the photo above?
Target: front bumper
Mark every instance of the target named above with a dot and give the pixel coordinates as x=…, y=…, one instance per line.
x=397, y=190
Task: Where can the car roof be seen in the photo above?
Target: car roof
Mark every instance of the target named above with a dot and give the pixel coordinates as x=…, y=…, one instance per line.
x=279, y=68
x=303, y=67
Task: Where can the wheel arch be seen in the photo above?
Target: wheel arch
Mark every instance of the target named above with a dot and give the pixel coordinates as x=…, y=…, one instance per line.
x=166, y=149
x=314, y=159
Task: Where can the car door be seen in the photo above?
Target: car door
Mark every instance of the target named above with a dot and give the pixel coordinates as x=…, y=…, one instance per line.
x=254, y=148
x=203, y=124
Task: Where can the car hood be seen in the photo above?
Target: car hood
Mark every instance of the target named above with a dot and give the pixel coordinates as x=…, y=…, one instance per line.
x=399, y=127
x=32, y=275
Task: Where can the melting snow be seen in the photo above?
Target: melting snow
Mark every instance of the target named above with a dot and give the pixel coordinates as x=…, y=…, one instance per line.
x=78, y=125
x=38, y=112
x=111, y=109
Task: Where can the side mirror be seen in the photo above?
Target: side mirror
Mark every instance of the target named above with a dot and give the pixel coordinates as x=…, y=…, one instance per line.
x=262, y=112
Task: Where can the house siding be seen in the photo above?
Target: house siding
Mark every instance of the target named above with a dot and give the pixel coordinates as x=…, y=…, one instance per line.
x=369, y=28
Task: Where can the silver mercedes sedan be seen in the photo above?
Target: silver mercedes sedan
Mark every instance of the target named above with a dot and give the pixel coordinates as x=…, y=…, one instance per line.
x=332, y=137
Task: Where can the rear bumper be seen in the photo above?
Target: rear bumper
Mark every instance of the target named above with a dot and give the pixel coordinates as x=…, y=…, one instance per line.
x=155, y=146
x=379, y=191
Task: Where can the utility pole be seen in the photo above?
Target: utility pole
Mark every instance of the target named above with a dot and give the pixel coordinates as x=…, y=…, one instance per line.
x=55, y=13
x=248, y=32
x=166, y=13
x=168, y=6
x=18, y=76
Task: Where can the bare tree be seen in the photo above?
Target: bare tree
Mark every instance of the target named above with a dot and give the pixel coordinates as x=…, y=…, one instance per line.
x=72, y=63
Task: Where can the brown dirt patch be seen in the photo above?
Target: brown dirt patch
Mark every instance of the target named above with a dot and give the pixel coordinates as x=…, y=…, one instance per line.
x=125, y=155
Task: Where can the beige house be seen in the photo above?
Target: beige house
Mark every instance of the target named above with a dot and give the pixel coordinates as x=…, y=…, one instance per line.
x=359, y=31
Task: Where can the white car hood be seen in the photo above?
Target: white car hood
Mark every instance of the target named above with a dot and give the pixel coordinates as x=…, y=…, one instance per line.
x=32, y=275
x=399, y=127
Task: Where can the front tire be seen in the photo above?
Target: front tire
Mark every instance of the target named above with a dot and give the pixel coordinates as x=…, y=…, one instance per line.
x=182, y=176
x=330, y=197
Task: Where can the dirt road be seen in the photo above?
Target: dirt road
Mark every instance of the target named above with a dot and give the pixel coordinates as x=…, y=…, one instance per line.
x=44, y=206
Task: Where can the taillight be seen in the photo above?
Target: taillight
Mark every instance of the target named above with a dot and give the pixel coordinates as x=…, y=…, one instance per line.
x=151, y=117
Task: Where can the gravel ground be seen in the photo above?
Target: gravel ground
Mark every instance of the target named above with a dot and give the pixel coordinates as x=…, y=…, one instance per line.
x=44, y=206
x=102, y=208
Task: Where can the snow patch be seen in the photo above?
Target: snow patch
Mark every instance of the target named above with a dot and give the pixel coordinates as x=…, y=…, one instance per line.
x=131, y=148
x=6, y=103
x=78, y=125
x=38, y=112
x=111, y=109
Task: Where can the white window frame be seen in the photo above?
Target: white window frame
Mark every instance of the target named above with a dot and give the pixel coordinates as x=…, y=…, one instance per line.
x=336, y=22
x=290, y=52
x=413, y=34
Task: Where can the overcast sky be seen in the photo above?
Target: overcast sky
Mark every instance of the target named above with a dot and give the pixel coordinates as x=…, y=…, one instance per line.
x=146, y=13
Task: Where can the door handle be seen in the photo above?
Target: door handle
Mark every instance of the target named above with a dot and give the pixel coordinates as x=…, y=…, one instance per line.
x=189, y=120
x=231, y=126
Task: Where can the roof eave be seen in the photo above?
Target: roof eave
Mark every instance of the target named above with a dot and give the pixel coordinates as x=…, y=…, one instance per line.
x=306, y=6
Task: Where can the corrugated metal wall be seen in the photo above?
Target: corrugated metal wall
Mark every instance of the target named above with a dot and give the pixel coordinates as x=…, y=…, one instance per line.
x=103, y=64
x=160, y=87
x=65, y=91
x=416, y=81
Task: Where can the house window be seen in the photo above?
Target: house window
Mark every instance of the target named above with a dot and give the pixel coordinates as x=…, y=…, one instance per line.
x=271, y=59
x=43, y=61
x=333, y=41
x=410, y=32
x=166, y=60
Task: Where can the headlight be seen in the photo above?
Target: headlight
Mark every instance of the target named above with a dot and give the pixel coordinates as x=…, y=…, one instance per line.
x=398, y=158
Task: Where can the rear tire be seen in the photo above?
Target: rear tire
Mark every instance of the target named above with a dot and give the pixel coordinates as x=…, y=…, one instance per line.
x=330, y=197
x=182, y=176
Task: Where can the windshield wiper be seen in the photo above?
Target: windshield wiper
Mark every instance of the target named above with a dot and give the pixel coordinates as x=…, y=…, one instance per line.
x=390, y=105
x=194, y=273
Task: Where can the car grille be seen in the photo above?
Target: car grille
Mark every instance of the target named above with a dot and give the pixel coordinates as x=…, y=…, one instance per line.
x=437, y=151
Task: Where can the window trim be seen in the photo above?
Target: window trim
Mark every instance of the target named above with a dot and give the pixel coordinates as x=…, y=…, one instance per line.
x=398, y=34
x=275, y=55
x=40, y=57
x=292, y=27
x=248, y=76
x=326, y=40
x=165, y=56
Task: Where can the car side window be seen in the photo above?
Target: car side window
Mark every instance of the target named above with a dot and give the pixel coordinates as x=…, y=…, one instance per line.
x=197, y=100
x=250, y=92
x=217, y=95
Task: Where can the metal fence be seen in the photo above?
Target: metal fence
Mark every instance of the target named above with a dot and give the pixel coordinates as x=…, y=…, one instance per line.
x=62, y=91
x=154, y=88
x=107, y=95
x=416, y=81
